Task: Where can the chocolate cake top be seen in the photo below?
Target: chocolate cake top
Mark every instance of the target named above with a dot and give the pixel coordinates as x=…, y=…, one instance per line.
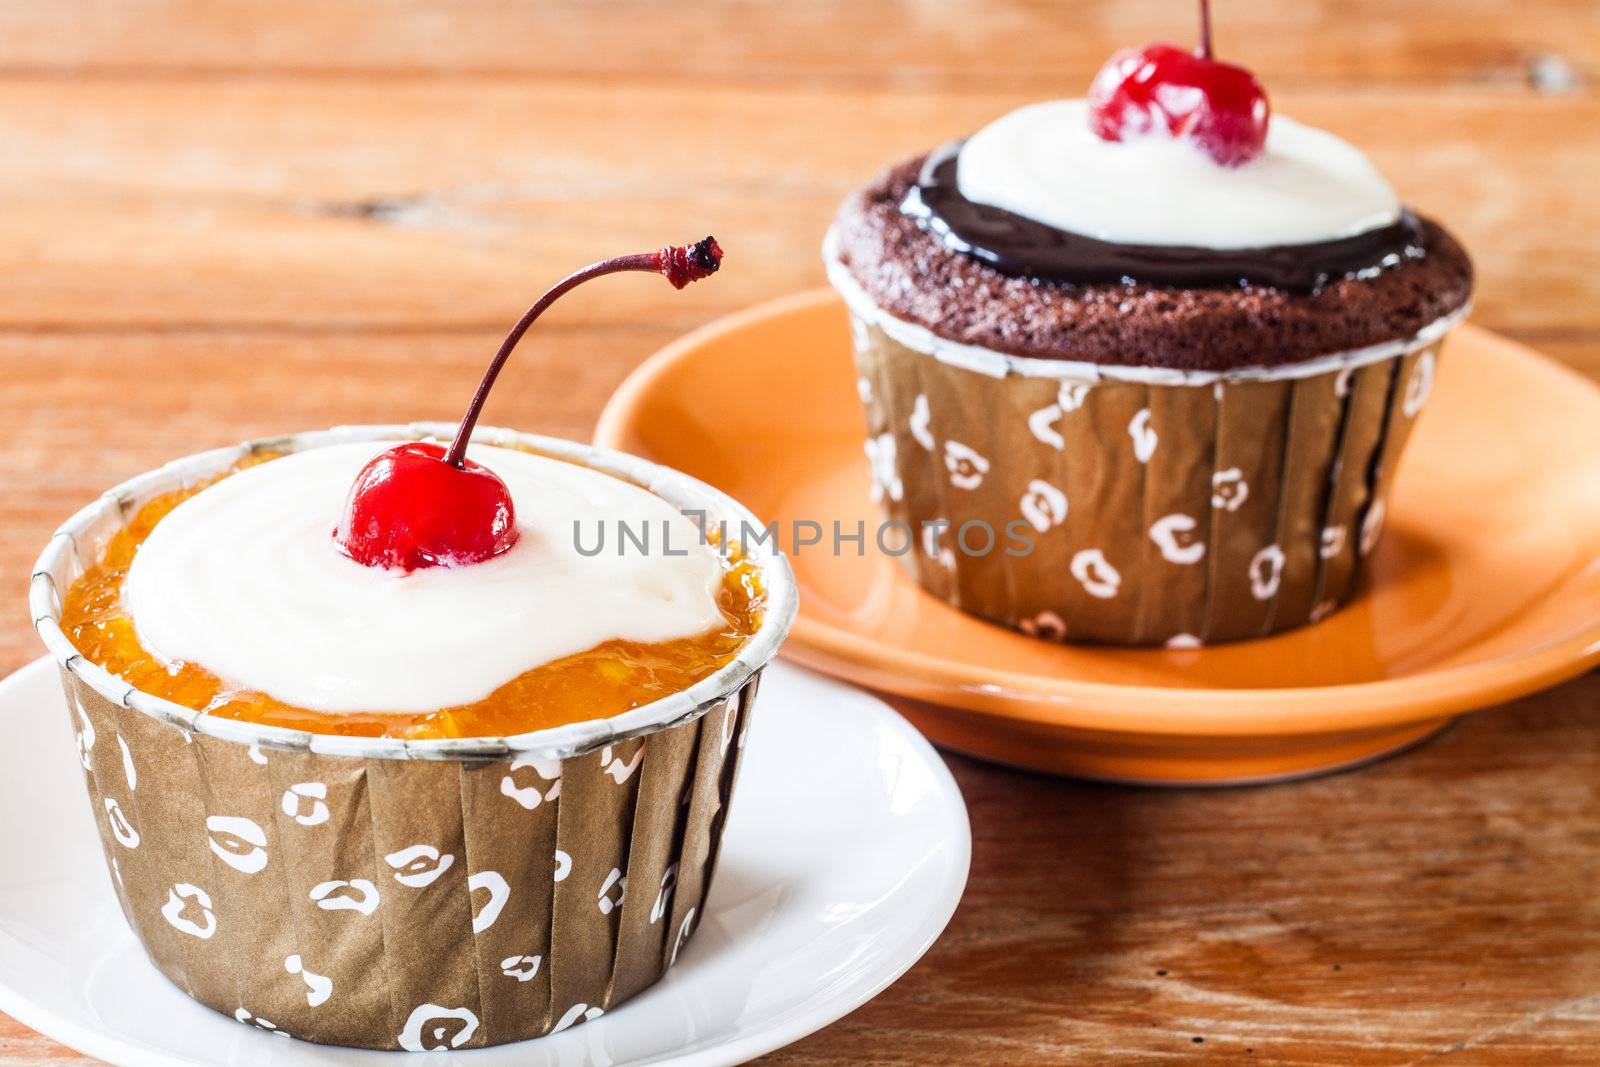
x=913, y=276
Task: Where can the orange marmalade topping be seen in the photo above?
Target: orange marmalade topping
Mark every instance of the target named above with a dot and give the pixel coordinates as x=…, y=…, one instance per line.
x=608, y=680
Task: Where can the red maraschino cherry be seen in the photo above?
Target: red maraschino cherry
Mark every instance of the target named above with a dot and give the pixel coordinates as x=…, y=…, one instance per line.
x=419, y=504
x=1162, y=89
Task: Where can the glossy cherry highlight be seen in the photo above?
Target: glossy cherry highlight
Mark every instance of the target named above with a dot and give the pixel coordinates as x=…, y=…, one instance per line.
x=1165, y=90
x=419, y=504
x=410, y=509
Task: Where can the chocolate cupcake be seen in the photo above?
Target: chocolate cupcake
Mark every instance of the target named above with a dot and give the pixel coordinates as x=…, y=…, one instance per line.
x=1139, y=369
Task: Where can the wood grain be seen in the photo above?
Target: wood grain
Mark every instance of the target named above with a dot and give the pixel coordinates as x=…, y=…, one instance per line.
x=413, y=203
x=224, y=220
x=1034, y=46
x=1438, y=906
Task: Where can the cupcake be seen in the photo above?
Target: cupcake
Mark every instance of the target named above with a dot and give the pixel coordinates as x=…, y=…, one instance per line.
x=405, y=746
x=1139, y=368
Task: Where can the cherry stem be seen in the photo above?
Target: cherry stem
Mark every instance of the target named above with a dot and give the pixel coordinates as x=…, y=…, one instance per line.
x=1204, y=50
x=681, y=264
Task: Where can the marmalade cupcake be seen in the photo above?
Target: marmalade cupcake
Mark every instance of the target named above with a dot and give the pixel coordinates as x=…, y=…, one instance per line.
x=1139, y=368
x=399, y=743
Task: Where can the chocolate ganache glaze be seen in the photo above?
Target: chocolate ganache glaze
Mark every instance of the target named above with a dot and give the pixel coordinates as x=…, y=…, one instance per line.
x=1021, y=247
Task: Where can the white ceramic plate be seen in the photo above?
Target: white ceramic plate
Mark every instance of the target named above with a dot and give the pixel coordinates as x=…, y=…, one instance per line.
x=845, y=855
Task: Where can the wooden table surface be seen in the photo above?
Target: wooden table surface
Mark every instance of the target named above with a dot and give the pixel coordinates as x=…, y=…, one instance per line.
x=219, y=220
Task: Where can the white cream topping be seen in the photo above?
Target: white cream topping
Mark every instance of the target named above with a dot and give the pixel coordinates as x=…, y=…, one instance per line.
x=1044, y=163
x=244, y=579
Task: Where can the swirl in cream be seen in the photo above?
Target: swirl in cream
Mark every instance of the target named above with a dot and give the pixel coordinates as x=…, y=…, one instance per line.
x=245, y=580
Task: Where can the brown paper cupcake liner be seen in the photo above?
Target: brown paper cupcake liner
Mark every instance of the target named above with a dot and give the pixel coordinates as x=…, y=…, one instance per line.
x=408, y=895
x=1134, y=505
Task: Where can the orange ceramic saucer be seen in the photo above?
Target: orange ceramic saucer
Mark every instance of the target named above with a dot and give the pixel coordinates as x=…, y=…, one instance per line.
x=1486, y=586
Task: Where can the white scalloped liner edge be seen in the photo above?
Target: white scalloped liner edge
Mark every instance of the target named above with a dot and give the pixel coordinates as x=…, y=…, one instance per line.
x=1001, y=365
x=560, y=742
